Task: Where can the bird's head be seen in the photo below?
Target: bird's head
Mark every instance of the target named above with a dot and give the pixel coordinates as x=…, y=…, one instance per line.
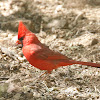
x=22, y=30
x=25, y=37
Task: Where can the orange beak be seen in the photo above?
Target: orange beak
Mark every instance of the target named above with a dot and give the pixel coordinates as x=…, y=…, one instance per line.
x=18, y=42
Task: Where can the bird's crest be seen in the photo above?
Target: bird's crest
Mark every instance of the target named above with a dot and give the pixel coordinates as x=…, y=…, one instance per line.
x=22, y=30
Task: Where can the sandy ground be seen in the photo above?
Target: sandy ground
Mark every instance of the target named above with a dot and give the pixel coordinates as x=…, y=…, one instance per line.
x=70, y=27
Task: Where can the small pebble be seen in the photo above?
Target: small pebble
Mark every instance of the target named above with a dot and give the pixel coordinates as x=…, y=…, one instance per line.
x=29, y=95
x=17, y=96
x=94, y=41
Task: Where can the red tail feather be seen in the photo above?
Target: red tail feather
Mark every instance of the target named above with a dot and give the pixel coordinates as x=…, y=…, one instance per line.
x=71, y=62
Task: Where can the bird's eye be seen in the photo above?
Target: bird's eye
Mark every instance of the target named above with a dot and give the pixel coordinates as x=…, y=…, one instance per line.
x=21, y=39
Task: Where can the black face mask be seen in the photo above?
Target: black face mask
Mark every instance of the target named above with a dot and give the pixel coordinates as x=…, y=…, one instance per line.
x=21, y=39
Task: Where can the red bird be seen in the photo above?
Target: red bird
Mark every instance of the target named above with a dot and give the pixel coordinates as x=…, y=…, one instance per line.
x=40, y=56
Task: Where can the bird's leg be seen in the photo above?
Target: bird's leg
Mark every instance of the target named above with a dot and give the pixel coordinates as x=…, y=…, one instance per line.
x=39, y=77
x=46, y=72
x=45, y=77
x=43, y=74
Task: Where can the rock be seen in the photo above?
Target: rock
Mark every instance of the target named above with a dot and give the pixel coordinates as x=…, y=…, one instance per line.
x=36, y=95
x=58, y=8
x=60, y=97
x=94, y=41
x=85, y=40
x=56, y=23
x=29, y=95
x=13, y=88
x=17, y=96
x=3, y=88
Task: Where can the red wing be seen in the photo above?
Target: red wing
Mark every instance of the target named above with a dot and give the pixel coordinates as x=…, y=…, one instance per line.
x=46, y=53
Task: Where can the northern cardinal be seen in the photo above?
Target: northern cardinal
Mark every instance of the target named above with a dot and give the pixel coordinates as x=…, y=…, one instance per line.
x=40, y=56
